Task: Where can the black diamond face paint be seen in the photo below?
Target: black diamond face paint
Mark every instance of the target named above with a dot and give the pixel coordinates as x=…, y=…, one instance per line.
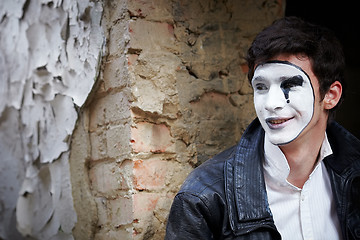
x=289, y=83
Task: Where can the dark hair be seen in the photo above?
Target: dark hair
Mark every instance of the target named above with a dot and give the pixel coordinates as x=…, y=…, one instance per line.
x=291, y=35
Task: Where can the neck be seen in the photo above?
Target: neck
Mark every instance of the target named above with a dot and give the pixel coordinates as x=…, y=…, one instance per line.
x=302, y=155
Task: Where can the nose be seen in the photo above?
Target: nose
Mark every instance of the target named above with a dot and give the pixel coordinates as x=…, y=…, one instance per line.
x=275, y=99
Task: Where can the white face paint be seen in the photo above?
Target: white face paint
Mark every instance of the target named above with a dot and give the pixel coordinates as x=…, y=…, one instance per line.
x=284, y=100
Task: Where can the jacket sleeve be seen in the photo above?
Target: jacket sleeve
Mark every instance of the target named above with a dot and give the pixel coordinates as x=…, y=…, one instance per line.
x=188, y=219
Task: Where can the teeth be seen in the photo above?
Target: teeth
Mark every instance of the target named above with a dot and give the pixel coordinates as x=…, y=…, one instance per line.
x=277, y=121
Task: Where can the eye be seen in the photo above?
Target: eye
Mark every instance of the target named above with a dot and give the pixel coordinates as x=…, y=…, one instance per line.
x=260, y=87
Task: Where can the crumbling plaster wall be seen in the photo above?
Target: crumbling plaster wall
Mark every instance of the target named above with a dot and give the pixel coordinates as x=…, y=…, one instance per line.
x=172, y=92
x=49, y=57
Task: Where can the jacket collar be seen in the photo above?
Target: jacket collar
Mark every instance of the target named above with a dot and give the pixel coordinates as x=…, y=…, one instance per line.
x=245, y=185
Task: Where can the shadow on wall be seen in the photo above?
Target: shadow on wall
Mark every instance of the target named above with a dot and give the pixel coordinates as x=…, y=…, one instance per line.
x=341, y=18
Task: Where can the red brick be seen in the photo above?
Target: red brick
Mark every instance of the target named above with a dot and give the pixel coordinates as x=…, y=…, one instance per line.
x=144, y=204
x=150, y=174
x=149, y=137
x=244, y=68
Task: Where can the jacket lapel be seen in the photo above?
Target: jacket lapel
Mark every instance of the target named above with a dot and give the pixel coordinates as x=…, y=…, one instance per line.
x=245, y=185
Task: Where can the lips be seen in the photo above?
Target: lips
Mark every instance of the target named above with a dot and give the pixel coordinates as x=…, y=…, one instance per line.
x=275, y=123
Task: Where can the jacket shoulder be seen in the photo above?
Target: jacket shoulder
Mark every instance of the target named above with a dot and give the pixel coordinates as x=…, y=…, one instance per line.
x=346, y=148
x=199, y=208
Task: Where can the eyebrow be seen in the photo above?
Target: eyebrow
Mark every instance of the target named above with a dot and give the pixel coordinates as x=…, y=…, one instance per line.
x=258, y=78
x=296, y=80
x=282, y=78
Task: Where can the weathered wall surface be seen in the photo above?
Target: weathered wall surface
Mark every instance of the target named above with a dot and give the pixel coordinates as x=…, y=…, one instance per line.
x=172, y=92
x=49, y=53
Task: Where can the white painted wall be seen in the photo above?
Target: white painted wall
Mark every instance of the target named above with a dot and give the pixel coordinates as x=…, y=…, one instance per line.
x=49, y=56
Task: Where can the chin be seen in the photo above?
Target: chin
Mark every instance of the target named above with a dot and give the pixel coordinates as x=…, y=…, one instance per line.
x=281, y=139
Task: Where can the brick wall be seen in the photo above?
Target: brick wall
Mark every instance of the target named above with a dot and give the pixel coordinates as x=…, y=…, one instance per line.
x=172, y=92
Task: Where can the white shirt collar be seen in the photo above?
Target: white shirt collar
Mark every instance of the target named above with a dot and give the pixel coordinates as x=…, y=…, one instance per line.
x=276, y=166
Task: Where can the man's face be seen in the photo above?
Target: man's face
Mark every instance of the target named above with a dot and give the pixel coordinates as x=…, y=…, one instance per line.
x=284, y=100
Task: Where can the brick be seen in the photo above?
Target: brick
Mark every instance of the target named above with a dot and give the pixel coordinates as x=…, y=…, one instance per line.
x=118, y=142
x=150, y=219
x=151, y=36
x=154, y=80
x=121, y=211
x=149, y=137
x=144, y=205
x=118, y=37
x=148, y=97
x=111, y=142
x=98, y=148
x=132, y=58
x=244, y=68
x=115, y=74
x=102, y=212
x=157, y=174
x=154, y=10
x=97, y=114
x=114, y=234
x=110, y=109
x=150, y=174
x=107, y=177
x=115, y=213
x=117, y=107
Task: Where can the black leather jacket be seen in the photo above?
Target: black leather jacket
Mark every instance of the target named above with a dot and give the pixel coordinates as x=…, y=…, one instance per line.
x=225, y=198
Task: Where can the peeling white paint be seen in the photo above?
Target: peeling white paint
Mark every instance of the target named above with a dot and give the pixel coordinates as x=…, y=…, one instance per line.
x=49, y=55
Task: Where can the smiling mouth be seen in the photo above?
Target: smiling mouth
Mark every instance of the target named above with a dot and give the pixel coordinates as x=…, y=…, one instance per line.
x=275, y=123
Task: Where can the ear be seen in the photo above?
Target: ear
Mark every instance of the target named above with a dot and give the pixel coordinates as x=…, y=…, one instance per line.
x=332, y=97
